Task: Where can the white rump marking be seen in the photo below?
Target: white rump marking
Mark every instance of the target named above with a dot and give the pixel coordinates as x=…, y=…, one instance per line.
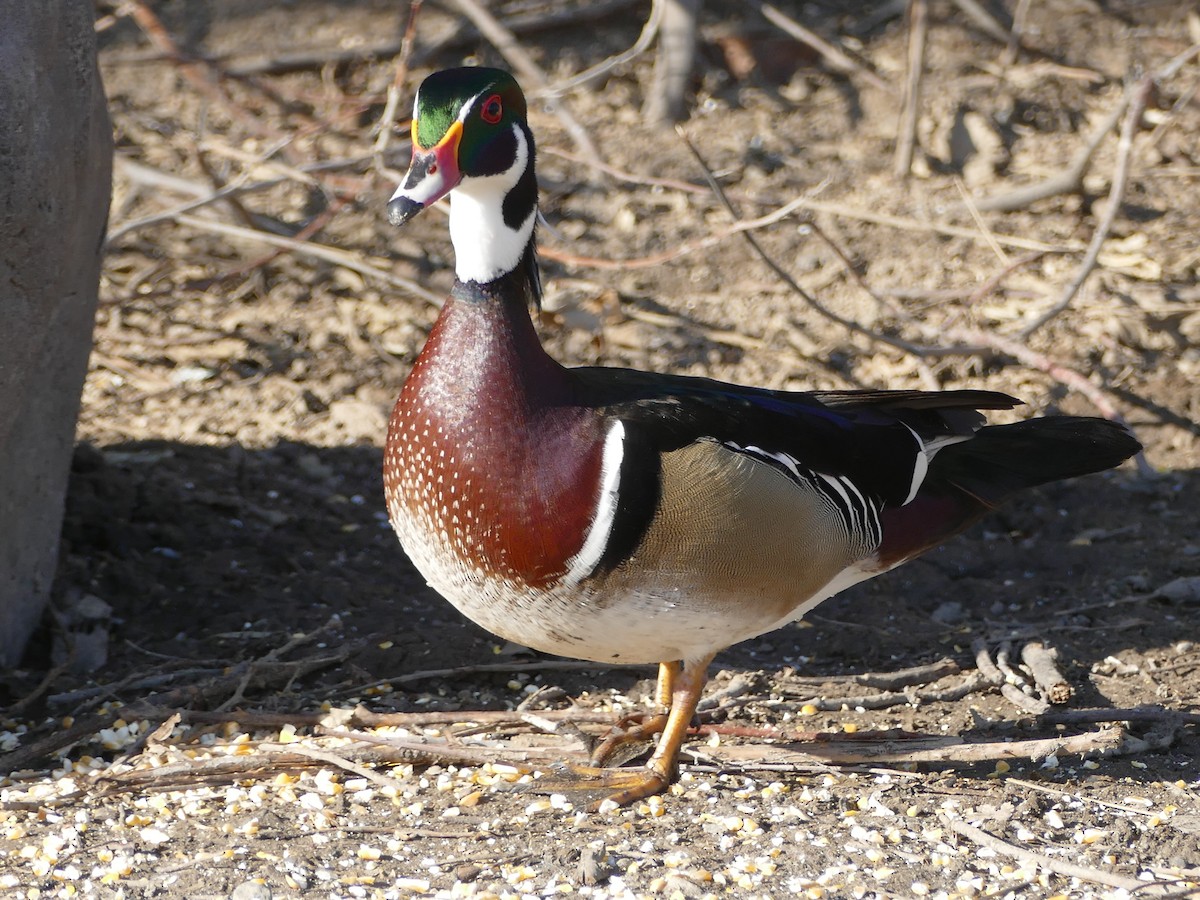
x=925, y=454
x=585, y=561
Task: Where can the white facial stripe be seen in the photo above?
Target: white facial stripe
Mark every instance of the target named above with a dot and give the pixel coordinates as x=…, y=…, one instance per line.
x=467, y=107
x=423, y=191
x=585, y=561
x=485, y=247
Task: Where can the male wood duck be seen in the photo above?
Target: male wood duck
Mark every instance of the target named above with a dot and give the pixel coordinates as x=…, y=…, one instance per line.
x=630, y=517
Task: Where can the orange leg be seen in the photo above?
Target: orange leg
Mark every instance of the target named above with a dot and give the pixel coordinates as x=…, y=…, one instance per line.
x=680, y=687
x=639, y=726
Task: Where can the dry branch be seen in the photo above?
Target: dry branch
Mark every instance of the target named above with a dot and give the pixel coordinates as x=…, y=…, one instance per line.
x=1042, y=665
x=529, y=23
x=1136, y=105
x=342, y=258
x=673, y=63
x=531, y=73
x=867, y=747
x=837, y=59
x=388, y=118
x=904, y=677
x=1050, y=864
x=906, y=138
x=644, y=39
x=984, y=20
x=971, y=684
x=1068, y=181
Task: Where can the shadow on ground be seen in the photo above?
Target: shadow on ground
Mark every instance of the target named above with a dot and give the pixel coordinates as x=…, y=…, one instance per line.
x=211, y=554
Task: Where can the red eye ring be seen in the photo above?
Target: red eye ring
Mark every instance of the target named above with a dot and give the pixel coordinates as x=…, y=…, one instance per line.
x=492, y=109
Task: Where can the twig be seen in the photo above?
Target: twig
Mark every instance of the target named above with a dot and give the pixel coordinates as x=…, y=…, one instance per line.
x=333, y=255
x=1068, y=181
x=44, y=685
x=905, y=677
x=362, y=717
x=1040, y=660
x=143, y=174
x=840, y=210
x=1048, y=789
x=973, y=209
x=82, y=729
x=1136, y=105
x=273, y=659
x=837, y=59
x=673, y=62
x=891, y=748
x=388, y=118
x=151, y=26
x=1016, y=34
x=570, y=16
x=741, y=226
x=906, y=138
x=1050, y=864
x=888, y=699
x=644, y=39
x=983, y=661
x=506, y=43
x=782, y=274
x=541, y=665
x=1023, y=701
x=984, y=20
x=1140, y=714
x=139, y=683
x=333, y=759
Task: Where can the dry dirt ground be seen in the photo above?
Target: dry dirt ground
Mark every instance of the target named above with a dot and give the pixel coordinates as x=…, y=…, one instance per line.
x=226, y=499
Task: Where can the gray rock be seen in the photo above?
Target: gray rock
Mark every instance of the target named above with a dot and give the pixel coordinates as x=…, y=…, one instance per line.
x=55, y=180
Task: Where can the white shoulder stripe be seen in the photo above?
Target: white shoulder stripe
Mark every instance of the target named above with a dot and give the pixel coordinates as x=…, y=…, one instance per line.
x=584, y=562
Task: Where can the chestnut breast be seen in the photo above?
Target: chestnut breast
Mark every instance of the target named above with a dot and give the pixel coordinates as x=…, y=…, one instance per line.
x=488, y=466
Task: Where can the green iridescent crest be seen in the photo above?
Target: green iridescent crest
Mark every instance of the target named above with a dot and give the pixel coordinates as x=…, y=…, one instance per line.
x=443, y=95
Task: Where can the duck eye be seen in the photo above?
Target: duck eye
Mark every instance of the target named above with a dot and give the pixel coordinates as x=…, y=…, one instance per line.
x=492, y=109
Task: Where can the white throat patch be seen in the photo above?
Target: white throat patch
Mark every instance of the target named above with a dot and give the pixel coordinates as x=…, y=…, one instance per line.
x=484, y=246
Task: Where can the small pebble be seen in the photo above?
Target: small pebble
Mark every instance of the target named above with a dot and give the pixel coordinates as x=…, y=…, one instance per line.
x=251, y=890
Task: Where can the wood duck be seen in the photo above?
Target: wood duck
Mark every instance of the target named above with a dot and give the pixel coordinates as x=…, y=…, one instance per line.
x=630, y=517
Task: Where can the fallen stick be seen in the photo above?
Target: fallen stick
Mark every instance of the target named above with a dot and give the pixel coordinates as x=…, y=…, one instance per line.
x=1068, y=181
x=1042, y=665
x=887, y=699
x=1049, y=863
x=908, y=748
x=906, y=137
x=1137, y=714
x=1116, y=193
x=905, y=677
x=342, y=258
x=507, y=45
x=665, y=98
x=541, y=665
x=984, y=20
x=569, y=17
x=837, y=59
x=388, y=118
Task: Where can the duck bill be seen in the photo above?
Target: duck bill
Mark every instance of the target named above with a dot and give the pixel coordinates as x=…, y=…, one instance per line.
x=432, y=174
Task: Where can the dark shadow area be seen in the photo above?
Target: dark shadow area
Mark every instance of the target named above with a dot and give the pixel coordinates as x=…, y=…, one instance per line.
x=210, y=557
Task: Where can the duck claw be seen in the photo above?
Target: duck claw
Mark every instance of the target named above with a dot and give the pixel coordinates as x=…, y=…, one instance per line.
x=631, y=729
x=627, y=785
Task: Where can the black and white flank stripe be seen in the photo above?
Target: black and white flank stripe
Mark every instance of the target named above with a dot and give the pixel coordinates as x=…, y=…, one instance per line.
x=857, y=513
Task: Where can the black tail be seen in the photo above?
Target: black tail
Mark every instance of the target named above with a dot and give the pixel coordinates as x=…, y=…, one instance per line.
x=1003, y=459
